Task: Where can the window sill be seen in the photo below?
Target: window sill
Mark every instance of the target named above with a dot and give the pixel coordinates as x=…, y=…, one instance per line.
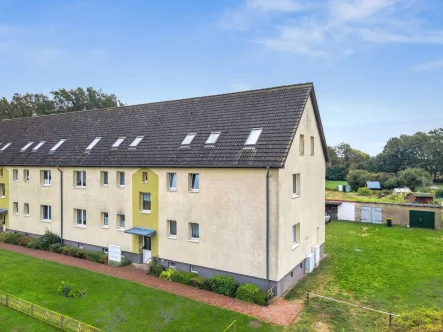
x=46, y=220
x=172, y=189
x=295, y=195
x=145, y=182
x=45, y=185
x=3, y=197
x=146, y=211
x=172, y=237
x=80, y=187
x=121, y=229
x=194, y=190
x=80, y=226
x=105, y=227
x=105, y=185
x=194, y=240
x=295, y=245
x=26, y=215
x=121, y=187
x=15, y=214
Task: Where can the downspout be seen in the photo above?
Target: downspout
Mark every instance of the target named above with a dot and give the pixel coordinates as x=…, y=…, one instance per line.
x=61, y=203
x=267, y=230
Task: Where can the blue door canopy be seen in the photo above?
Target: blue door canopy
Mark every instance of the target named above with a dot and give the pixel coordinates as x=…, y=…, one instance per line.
x=141, y=231
x=3, y=211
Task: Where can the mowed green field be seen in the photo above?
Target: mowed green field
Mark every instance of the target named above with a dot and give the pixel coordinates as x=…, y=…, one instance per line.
x=111, y=304
x=390, y=269
x=333, y=184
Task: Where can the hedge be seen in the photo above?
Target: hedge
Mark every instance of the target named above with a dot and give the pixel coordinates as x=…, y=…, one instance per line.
x=155, y=269
x=182, y=277
x=224, y=285
x=246, y=292
x=201, y=283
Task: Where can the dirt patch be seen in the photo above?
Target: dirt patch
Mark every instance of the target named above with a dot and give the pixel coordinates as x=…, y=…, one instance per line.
x=254, y=323
x=364, y=229
x=364, y=234
x=321, y=327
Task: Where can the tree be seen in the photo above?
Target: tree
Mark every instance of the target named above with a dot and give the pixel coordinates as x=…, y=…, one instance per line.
x=336, y=173
x=414, y=178
x=333, y=156
x=357, y=178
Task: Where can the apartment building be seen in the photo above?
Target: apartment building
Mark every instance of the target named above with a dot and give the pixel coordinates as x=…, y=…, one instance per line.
x=225, y=184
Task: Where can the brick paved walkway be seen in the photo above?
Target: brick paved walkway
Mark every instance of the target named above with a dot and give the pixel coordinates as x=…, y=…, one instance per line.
x=280, y=312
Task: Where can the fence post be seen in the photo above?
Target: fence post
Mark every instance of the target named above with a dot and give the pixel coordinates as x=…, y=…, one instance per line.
x=390, y=319
x=307, y=298
x=62, y=322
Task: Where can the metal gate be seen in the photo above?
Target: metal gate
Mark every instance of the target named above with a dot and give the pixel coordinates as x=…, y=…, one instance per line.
x=422, y=219
x=371, y=214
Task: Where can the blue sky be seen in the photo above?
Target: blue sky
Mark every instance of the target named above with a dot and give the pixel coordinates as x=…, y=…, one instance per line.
x=377, y=65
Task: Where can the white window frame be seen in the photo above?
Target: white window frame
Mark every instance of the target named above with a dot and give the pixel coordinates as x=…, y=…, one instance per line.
x=15, y=175
x=142, y=200
x=172, y=265
x=253, y=137
x=49, y=212
x=170, y=176
x=191, y=176
x=213, y=137
x=296, y=185
x=26, y=175
x=82, y=180
x=26, y=147
x=302, y=145
x=170, y=235
x=15, y=208
x=193, y=269
x=2, y=190
x=38, y=146
x=80, y=222
x=105, y=216
x=121, y=174
x=295, y=234
x=188, y=139
x=121, y=217
x=145, y=177
x=118, y=142
x=136, y=142
x=312, y=145
x=46, y=181
x=26, y=209
x=191, y=238
x=93, y=143
x=102, y=178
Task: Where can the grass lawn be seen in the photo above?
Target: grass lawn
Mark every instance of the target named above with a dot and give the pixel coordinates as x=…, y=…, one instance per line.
x=333, y=184
x=390, y=269
x=439, y=185
x=111, y=304
x=14, y=321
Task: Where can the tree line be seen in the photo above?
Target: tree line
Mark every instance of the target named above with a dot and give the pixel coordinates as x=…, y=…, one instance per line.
x=421, y=152
x=59, y=101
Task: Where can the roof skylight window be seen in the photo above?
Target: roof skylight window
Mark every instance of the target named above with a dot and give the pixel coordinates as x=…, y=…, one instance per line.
x=213, y=137
x=55, y=147
x=188, y=139
x=136, y=142
x=38, y=146
x=5, y=147
x=26, y=146
x=253, y=136
x=93, y=143
x=118, y=142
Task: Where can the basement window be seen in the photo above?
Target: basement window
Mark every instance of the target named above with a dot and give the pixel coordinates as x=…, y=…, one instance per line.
x=188, y=139
x=55, y=147
x=38, y=146
x=136, y=142
x=93, y=143
x=5, y=147
x=253, y=137
x=212, y=139
x=26, y=146
x=118, y=142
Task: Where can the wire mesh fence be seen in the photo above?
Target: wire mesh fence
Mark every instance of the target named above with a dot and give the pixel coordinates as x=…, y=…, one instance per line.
x=56, y=319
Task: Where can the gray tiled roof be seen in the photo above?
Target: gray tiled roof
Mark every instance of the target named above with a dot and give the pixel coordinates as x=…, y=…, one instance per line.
x=164, y=125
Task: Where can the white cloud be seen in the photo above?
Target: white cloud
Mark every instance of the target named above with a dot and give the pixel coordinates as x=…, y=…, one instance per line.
x=332, y=27
x=431, y=65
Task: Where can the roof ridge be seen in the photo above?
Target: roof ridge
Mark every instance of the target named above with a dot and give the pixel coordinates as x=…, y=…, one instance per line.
x=170, y=101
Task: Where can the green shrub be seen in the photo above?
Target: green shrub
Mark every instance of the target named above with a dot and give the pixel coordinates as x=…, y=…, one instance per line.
x=201, y=283
x=11, y=238
x=70, y=290
x=246, y=292
x=47, y=239
x=224, y=285
x=260, y=298
x=123, y=262
x=439, y=193
x=155, y=269
x=364, y=191
x=64, y=250
x=72, y=252
x=104, y=259
x=182, y=277
x=34, y=244
x=24, y=240
x=420, y=320
x=94, y=256
x=166, y=275
x=56, y=247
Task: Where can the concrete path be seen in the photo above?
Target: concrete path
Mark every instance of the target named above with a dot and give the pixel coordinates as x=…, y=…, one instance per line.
x=280, y=312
